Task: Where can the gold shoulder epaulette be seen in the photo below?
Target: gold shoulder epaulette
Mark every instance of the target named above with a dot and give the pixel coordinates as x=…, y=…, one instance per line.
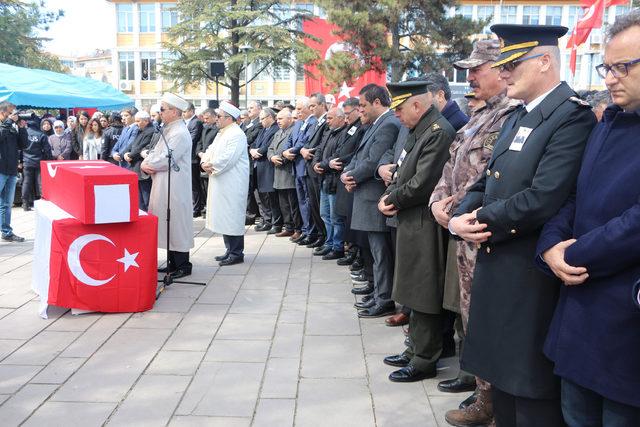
x=579, y=101
x=435, y=126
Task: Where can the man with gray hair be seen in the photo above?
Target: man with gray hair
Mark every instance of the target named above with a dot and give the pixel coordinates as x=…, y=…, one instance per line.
x=532, y=171
x=133, y=155
x=591, y=245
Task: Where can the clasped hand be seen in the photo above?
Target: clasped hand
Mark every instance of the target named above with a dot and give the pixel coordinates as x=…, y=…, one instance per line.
x=467, y=227
x=570, y=275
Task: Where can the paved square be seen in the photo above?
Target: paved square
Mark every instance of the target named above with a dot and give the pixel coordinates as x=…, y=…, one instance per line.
x=272, y=342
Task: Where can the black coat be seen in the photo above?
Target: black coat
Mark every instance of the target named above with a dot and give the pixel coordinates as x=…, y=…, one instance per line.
x=454, y=115
x=263, y=167
x=12, y=140
x=195, y=130
x=317, y=137
x=512, y=301
x=209, y=133
x=141, y=142
x=109, y=140
x=323, y=154
x=346, y=148
x=38, y=147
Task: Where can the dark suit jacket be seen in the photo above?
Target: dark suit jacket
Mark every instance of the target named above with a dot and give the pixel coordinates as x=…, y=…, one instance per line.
x=140, y=143
x=454, y=115
x=377, y=139
x=304, y=134
x=195, y=130
x=593, y=339
x=252, y=129
x=264, y=168
x=345, y=150
x=513, y=302
x=208, y=135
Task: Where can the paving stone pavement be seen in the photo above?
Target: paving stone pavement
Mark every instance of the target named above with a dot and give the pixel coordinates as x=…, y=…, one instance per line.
x=272, y=342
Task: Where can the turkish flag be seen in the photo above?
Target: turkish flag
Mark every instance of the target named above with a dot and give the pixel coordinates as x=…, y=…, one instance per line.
x=103, y=267
x=93, y=191
x=328, y=45
x=592, y=18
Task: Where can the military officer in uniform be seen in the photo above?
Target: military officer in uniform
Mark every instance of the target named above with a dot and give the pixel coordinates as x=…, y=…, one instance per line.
x=470, y=153
x=421, y=242
x=532, y=171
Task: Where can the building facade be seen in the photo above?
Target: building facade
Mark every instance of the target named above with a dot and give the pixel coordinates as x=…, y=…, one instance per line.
x=141, y=27
x=97, y=66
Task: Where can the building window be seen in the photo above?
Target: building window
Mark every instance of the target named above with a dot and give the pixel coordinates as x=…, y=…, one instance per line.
x=486, y=13
x=575, y=13
x=531, y=15
x=126, y=65
x=508, y=14
x=169, y=15
x=596, y=80
x=465, y=11
x=125, y=18
x=554, y=15
x=147, y=18
x=148, y=65
x=461, y=76
x=281, y=73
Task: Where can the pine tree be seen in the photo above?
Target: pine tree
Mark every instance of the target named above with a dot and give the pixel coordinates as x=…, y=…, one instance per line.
x=219, y=30
x=400, y=36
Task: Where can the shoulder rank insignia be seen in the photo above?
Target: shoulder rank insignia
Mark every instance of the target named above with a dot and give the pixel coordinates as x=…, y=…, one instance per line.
x=490, y=141
x=435, y=126
x=579, y=101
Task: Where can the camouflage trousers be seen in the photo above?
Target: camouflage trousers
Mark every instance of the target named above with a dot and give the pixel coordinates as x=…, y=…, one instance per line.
x=466, y=254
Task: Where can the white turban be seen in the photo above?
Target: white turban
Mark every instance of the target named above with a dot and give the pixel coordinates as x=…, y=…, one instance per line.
x=155, y=108
x=175, y=101
x=230, y=109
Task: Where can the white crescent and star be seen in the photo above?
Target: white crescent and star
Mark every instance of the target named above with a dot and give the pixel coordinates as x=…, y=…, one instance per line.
x=73, y=259
x=52, y=167
x=345, y=91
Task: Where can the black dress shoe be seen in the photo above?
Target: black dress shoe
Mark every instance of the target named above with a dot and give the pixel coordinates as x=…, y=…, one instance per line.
x=197, y=214
x=231, y=261
x=456, y=385
x=274, y=230
x=367, y=298
x=319, y=242
x=356, y=274
x=333, y=255
x=299, y=238
x=180, y=273
x=164, y=270
x=410, y=374
x=363, y=290
x=363, y=305
x=399, y=360
x=307, y=241
x=469, y=400
x=248, y=220
x=359, y=280
x=348, y=258
x=357, y=265
x=221, y=257
x=262, y=227
x=321, y=251
x=377, y=311
x=13, y=238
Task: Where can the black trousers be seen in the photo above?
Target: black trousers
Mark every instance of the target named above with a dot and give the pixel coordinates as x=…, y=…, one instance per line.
x=31, y=185
x=234, y=245
x=425, y=331
x=199, y=198
x=367, y=262
x=515, y=411
x=253, y=210
x=313, y=185
x=271, y=209
x=179, y=261
x=144, y=192
x=288, y=200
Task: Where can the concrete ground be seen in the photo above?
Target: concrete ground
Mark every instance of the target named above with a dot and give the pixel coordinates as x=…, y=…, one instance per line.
x=271, y=342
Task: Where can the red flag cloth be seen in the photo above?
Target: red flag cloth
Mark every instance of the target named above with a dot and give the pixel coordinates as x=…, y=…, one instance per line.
x=92, y=191
x=104, y=267
x=591, y=19
x=328, y=45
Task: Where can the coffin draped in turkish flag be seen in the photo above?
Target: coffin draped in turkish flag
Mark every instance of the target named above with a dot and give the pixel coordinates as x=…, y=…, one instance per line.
x=328, y=45
x=103, y=267
x=93, y=191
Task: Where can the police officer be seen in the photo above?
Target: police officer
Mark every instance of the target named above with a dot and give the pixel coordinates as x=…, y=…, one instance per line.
x=532, y=170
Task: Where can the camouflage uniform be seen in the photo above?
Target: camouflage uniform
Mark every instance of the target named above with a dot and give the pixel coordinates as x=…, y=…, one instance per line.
x=470, y=152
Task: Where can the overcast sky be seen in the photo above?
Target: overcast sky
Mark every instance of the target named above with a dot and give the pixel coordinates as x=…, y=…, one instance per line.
x=86, y=26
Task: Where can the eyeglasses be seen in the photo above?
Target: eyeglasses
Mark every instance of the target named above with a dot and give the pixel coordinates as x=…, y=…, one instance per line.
x=618, y=70
x=510, y=66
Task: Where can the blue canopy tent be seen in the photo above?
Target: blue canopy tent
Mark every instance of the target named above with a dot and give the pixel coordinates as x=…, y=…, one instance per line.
x=47, y=89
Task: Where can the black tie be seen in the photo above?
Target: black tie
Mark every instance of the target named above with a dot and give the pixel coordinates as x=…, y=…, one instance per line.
x=519, y=115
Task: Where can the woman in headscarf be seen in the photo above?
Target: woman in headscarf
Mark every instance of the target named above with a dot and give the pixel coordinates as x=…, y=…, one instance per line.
x=60, y=142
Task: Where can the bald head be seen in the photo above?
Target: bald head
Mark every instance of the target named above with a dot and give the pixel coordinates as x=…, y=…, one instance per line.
x=284, y=118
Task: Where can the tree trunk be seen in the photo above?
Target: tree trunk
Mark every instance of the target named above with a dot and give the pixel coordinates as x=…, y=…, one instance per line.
x=235, y=90
x=396, y=65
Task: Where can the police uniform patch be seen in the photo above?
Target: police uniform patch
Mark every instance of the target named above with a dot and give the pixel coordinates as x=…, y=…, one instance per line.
x=579, y=101
x=490, y=141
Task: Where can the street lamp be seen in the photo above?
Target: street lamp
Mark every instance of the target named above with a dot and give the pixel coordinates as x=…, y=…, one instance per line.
x=245, y=49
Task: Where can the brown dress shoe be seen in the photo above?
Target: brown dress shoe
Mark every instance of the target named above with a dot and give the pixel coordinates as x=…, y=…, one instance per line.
x=284, y=233
x=295, y=236
x=478, y=413
x=397, y=320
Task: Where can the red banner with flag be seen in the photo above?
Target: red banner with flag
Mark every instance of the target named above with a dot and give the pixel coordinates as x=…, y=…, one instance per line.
x=328, y=45
x=592, y=18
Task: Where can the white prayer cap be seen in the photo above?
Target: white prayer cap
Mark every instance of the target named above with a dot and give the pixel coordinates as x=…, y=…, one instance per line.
x=200, y=110
x=155, y=108
x=175, y=101
x=142, y=115
x=329, y=99
x=230, y=109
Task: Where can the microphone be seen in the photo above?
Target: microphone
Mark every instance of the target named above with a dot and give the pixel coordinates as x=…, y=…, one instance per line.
x=173, y=164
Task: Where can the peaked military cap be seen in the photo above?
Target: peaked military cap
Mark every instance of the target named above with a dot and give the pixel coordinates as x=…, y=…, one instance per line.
x=401, y=91
x=517, y=40
x=470, y=95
